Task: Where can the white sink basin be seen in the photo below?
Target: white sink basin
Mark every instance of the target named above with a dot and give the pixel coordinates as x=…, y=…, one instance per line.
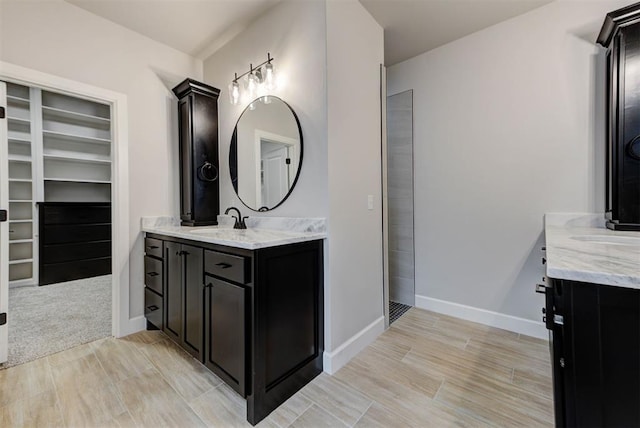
x=610, y=240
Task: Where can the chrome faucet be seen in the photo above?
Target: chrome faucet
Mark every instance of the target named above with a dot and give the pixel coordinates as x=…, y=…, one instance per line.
x=239, y=223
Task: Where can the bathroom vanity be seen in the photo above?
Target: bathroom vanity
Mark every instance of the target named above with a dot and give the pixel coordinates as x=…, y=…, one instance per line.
x=593, y=314
x=248, y=304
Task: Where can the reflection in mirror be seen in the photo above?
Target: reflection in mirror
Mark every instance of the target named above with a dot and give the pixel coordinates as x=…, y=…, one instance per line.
x=265, y=153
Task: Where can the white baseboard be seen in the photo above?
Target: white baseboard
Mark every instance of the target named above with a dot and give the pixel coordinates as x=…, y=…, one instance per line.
x=483, y=316
x=134, y=325
x=333, y=361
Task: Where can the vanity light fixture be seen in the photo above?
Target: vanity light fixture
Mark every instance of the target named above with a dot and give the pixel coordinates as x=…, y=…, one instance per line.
x=257, y=81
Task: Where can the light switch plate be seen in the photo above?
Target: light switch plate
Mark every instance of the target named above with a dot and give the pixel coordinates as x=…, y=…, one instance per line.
x=370, y=202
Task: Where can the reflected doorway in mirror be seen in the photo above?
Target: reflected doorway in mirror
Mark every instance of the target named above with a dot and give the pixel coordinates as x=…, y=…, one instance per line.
x=265, y=155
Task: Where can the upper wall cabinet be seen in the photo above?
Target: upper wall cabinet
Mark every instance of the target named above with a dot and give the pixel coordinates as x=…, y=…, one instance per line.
x=620, y=34
x=198, y=129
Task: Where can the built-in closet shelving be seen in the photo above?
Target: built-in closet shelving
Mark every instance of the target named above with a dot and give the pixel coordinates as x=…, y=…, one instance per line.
x=22, y=190
x=76, y=154
x=59, y=150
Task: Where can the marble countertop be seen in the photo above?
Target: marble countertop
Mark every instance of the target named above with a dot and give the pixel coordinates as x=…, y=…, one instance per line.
x=261, y=232
x=581, y=248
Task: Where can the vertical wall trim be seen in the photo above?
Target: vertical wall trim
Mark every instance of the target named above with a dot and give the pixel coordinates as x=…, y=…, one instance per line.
x=4, y=226
x=385, y=201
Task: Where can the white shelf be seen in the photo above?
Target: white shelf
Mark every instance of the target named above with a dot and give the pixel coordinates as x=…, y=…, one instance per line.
x=68, y=114
x=19, y=120
x=20, y=180
x=14, y=201
x=17, y=99
x=28, y=220
x=78, y=180
x=20, y=261
x=77, y=138
x=77, y=158
x=21, y=282
x=19, y=137
x=19, y=158
x=20, y=241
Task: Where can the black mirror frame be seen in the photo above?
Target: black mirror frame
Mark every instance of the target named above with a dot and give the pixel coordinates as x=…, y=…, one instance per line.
x=233, y=157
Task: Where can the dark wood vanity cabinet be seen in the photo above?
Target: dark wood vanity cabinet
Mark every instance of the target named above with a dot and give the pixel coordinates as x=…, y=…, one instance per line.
x=198, y=153
x=253, y=317
x=620, y=35
x=595, y=348
x=184, y=296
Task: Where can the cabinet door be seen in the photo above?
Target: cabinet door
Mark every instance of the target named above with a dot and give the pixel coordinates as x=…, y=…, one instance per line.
x=173, y=296
x=225, y=332
x=193, y=300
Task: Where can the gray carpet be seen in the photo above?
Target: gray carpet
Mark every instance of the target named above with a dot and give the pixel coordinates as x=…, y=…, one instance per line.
x=49, y=319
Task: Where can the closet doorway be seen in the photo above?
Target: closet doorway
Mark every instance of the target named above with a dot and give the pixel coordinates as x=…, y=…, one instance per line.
x=58, y=150
x=400, y=253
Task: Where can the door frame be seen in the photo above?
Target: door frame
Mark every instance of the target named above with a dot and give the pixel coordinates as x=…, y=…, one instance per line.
x=276, y=138
x=4, y=227
x=121, y=324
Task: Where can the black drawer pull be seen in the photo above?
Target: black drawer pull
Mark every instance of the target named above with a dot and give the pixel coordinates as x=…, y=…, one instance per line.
x=153, y=273
x=152, y=308
x=224, y=265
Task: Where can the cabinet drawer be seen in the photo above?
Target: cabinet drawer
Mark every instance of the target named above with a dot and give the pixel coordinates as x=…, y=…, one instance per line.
x=153, y=274
x=63, y=234
x=226, y=266
x=61, y=272
x=77, y=214
x=153, y=247
x=60, y=253
x=153, y=308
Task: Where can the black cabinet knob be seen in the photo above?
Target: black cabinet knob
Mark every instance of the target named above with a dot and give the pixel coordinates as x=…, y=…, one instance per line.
x=544, y=261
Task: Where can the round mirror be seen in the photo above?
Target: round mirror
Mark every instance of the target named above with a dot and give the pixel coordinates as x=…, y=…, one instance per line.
x=266, y=153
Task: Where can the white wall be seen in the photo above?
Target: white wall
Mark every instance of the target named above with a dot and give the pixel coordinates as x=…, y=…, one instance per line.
x=295, y=35
x=58, y=38
x=354, y=54
x=508, y=125
x=330, y=67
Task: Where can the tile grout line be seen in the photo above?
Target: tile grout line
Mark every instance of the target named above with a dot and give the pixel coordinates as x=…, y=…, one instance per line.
x=435, y=396
x=55, y=389
x=363, y=413
x=116, y=390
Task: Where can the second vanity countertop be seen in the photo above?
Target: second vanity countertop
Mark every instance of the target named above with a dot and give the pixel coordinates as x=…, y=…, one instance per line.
x=581, y=248
x=261, y=232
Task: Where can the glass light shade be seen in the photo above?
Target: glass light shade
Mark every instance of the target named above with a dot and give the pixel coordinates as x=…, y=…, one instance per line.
x=234, y=92
x=251, y=85
x=269, y=77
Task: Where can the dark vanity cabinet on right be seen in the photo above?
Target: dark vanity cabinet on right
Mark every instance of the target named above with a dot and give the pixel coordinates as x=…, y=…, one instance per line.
x=595, y=349
x=253, y=317
x=620, y=34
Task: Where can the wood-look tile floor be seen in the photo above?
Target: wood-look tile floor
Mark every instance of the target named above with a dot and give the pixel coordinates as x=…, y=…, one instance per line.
x=426, y=370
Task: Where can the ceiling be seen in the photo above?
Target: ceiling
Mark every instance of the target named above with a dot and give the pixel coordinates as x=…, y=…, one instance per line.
x=412, y=27
x=195, y=27
x=200, y=27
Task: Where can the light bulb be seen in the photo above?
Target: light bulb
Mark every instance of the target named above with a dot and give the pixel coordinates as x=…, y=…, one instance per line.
x=252, y=106
x=251, y=85
x=269, y=77
x=234, y=92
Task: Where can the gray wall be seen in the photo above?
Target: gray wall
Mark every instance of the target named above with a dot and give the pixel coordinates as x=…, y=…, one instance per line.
x=313, y=43
x=508, y=125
